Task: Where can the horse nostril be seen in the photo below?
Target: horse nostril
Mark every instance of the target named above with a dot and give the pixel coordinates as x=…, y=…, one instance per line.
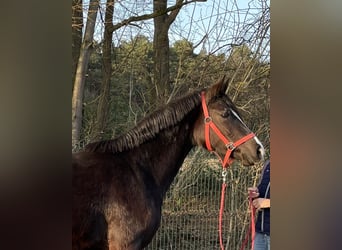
x=260, y=152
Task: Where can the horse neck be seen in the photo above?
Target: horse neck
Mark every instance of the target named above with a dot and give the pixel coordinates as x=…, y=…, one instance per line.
x=164, y=155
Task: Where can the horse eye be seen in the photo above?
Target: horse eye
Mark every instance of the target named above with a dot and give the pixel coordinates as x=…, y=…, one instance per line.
x=226, y=113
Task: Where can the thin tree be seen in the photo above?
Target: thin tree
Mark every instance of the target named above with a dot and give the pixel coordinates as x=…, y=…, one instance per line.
x=76, y=31
x=161, y=51
x=77, y=97
x=161, y=47
x=103, y=106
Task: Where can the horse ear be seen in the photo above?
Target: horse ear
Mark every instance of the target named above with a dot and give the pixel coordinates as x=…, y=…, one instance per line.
x=217, y=89
x=223, y=85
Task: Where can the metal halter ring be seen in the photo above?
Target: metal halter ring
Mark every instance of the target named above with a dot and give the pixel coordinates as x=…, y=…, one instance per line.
x=230, y=146
x=224, y=174
x=208, y=119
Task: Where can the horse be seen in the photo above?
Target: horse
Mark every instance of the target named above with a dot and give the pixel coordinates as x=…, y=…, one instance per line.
x=118, y=185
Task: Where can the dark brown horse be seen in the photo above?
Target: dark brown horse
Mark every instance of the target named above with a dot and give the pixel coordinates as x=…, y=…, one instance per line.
x=119, y=185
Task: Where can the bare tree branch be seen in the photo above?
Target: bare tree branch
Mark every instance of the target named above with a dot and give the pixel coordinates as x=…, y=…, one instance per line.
x=175, y=7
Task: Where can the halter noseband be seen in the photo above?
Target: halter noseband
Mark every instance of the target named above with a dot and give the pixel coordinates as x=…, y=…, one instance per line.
x=229, y=145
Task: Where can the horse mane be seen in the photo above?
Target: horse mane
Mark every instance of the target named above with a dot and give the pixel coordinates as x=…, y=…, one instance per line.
x=150, y=126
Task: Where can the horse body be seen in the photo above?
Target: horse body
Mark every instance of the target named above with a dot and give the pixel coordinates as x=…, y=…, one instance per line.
x=119, y=185
x=126, y=190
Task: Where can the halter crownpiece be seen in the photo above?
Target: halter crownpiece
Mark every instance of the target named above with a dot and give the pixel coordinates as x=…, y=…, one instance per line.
x=209, y=124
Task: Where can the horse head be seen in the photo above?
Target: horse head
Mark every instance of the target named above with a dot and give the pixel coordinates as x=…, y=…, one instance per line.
x=221, y=129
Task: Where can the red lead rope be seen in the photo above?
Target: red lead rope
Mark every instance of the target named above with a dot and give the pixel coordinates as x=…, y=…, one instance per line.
x=251, y=227
x=209, y=124
x=221, y=213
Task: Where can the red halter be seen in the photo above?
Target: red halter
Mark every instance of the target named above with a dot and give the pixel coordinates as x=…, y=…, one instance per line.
x=229, y=145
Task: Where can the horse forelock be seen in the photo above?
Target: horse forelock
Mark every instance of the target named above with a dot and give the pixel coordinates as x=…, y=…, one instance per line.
x=150, y=126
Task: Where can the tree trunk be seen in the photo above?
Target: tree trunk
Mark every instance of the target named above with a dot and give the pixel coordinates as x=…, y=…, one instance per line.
x=161, y=52
x=104, y=100
x=76, y=29
x=77, y=97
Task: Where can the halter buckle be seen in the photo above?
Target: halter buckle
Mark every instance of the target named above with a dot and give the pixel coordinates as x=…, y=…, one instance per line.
x=230, y=146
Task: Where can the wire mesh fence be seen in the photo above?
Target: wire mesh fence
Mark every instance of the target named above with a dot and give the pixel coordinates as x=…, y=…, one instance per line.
x=191, y=207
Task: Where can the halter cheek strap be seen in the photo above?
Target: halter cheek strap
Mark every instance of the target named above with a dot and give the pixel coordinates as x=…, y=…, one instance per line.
x=209, y=124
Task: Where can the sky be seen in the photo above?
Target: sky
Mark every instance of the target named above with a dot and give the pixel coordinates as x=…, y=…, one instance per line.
x=212, y=25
